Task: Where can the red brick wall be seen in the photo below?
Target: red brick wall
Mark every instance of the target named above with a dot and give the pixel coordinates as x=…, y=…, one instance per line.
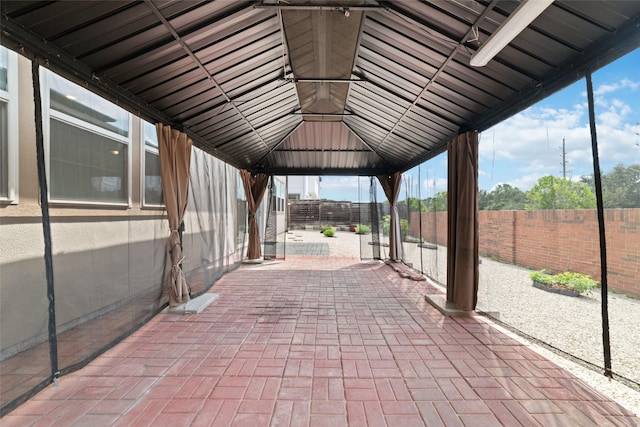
x=563, y=240
x=434, y=226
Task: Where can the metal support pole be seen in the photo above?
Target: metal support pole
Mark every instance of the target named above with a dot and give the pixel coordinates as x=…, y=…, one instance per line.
x=46, y=223
x=601, y=231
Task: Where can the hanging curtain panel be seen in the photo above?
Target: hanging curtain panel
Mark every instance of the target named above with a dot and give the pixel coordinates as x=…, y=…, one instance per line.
x=391, y=186
x=462, y=198
x=175, y=159
x=254, y=188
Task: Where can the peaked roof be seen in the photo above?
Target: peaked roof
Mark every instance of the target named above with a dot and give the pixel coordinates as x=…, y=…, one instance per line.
x=309, y=87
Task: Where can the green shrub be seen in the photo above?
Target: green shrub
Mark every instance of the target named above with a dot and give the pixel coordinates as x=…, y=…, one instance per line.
x=542, y=276
x=581, y=283
x=329, y=232
x=362, y=229
x=386, y=224
x=404, y=228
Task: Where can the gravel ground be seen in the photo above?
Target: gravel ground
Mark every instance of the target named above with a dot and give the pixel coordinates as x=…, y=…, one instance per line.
x=570, y=324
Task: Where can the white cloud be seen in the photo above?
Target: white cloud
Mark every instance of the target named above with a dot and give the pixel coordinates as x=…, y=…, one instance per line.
x=339, y=183
x=606, y=88
x=533, y=134
x=532, y=139
x=344, y=188
x=433, y=186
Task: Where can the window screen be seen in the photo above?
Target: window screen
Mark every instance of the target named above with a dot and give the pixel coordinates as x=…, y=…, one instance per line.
x=8, y=125
x=4, y=151
x=4, y=67
x=86, y=166
x=152, y=180
x=88, y=145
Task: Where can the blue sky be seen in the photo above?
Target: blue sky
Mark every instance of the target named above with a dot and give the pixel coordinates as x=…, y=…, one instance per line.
x=527, y=146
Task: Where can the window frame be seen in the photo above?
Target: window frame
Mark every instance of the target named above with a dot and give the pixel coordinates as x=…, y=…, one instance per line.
x=144, y=148
x=48, y=113
x=10, y=96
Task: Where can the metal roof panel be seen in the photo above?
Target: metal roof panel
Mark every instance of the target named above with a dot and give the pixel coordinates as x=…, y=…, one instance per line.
x=391, y=84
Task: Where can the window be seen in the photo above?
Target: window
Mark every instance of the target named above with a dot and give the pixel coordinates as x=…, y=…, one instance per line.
x=242, y=217
x=88, y=144
x=278, y=196
x=152, y=183
x=8, y=125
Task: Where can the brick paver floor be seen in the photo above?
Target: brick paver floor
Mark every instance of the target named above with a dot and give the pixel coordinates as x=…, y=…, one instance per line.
x=320, y=341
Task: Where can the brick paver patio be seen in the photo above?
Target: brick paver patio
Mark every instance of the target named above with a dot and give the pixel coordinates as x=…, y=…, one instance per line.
x=320, y=341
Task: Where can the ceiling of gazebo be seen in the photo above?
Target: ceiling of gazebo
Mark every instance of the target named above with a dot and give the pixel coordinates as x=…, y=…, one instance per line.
x=307, y=87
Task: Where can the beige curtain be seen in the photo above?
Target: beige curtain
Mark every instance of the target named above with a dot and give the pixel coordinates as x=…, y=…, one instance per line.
x=175, y=159
x=462, y=200
x=254, y=188
x=391, y=186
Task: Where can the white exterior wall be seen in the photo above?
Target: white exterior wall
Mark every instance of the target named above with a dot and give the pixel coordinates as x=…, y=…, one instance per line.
x=308, y=187
x=102, y=255
x=281, y=216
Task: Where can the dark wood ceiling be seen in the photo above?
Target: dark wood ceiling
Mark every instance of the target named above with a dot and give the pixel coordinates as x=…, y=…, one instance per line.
x=339, y=87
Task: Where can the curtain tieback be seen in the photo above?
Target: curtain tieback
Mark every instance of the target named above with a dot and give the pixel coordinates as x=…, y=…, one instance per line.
x=175, y=238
